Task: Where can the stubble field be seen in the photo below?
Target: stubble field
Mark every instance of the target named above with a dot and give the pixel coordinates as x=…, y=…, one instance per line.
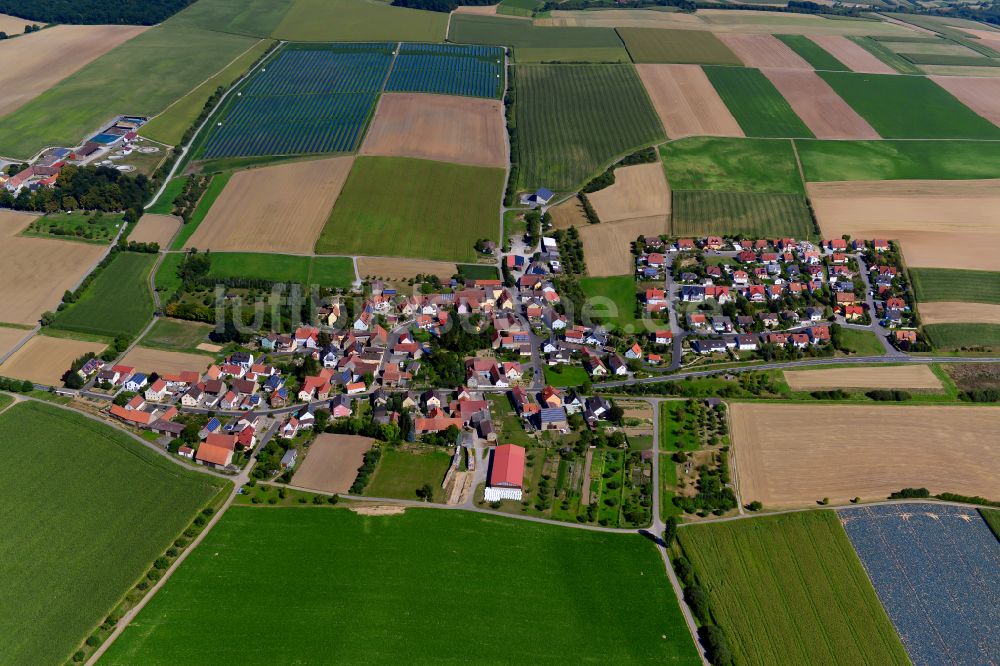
x=877, y=377
x=825, y=113
x=796, y=455
x=763, y=51
x=398, y=269
x=686, y=102
x=332, y=463
x=43, y=359
x=850, y=54
x=10, y=337
x=147, y=360
x=639, y=191
x=955, y=312
x=982, y=95
x=606, y=247
x=155, y=229
x=273, y=209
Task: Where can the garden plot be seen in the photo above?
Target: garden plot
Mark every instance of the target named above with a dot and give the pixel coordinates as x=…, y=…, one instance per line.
x=919, y=377
x=826, y=114
x=274, y=209
x=954, y=312
x=607, y=247
x=686, y=101
x=639, y=191
x=940, y=224
x=796, y=455
x=34, y=63
x=438, y=127
x=332, y=463
x=982, y=95
x=44, y=360
x=148, y=360
x=763, y=51
x=35, y=272
x=853, y=56
x=158, y=229
x=935, y=570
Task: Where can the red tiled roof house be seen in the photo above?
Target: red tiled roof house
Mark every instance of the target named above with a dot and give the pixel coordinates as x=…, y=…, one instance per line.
x=506, y=474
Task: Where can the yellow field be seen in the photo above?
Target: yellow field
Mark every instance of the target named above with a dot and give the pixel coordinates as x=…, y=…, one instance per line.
x=145, y=359
x=155, y=229
x=875, y=377
x=44, y=360
x=639, y=191
x=954, y=312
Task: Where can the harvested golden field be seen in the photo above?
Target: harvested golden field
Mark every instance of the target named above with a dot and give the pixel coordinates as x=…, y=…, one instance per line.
x=960, y=70
x=155, y=229
x=954, y=312
x=10, y=337
x=397, y=269
x=479, y=10
x=146, y=359
x=819, y=107
x=280, y=208
x=34, y=63
x=568, y=214
x=446, y=128
x=852, y=55
x=875, y=377
x=35, y=272
x=982, y=95
x=44, y=360
x=607, y=246
x=332, y=463
x=686, y=101
x=14, y=25
x=639, y=191
x=763, y=51
x=939, y=223
x=794, y=455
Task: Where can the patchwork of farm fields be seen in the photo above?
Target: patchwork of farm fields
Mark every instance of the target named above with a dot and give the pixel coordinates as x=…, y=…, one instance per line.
x=731, y=165
x=935, y=570
x=898, y=160
x=755, y=214
x=811, y=600
x=573, y=120
x=449, y=69
x=812, y=53
x=87, y=512
x=755, y=103
x=676, y=46
x=324, y=609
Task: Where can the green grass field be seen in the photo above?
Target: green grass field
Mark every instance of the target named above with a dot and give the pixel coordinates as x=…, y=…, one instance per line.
x=85, y=515
x=518, y=7
x=400, y=473
x=142, y=76
x=573, y=120
x=169, y=126
x=117, y=302
x=165, y=203
x=331, y=272
x=367, y=589
x=909, y=107
x=697, y=47
x=525, y=55
x=898, y=160
x=813, y=53
x=992, y=518
x=324, y=271
x=755, y=103
x=176, y=335
x=98, y=228
x=964, y=336
x=731, y=165
x=944, y=284
x=478, y=272
x=399, y=206
x=359, y=21
x=255, y=18
x=617, y=301
x=565, y=376
x=466, y=29
x=668, y=485
x=755, y=214
x=862, y=343
x=674, y=436
x=212, y=192
x=812, y=601
x=886, y=55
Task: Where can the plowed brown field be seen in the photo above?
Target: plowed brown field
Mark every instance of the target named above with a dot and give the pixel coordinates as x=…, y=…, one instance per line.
x=852, y=55
x=607, y=247
x=763, y=51
x=795, y=455
x=939, y=223
x=982, y=95
x=639, y=191
x=43, y=360
x=446, y=128
x=145, y=359
x=819, y=107
x=952, y=312
x=14, y=25
x=686, y=101
x=34, y=63
x=35, y=272
x=155, y=229
x=332, y=463
x=274, y=209
x=876, y=377
x=395, y=269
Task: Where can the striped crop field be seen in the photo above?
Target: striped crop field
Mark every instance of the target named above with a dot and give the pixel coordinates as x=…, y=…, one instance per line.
x=755, y=214
x=448, y=69
x=308, y=99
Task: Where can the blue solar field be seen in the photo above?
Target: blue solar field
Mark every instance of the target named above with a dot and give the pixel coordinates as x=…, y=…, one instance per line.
x=448, y=69
x=936, y=569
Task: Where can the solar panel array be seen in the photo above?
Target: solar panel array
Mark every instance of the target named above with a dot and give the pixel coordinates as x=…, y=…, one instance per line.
x=448, y=69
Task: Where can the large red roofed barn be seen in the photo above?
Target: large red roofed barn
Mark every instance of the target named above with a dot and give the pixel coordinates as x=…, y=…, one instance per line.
x=506, y=473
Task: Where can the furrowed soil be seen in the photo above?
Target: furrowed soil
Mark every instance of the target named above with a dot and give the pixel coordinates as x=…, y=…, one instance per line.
x=34, y=63
x=852, y=55
x=155, y=229
x=796, y=455
x=145, y=359
x=982, y=95
x=332, y=463
x=883, y=377
x=686, y=101
x=35, y=272
x=446, y=128
x=763, y=51
x=274, y=209
x=43, y=360
x=949, y=312
x=639, y=191
x=940, y=224
x=819, y=107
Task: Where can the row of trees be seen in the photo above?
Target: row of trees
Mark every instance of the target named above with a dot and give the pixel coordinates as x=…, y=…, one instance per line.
x=147, y=12
x=88, y=188
x=28, y=29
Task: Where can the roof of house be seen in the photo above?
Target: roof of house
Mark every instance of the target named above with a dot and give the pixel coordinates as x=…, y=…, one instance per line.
x=508, y=465
x=217, y=455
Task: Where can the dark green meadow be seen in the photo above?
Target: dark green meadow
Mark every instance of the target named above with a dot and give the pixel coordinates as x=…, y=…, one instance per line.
x=437, y=586
x=813, y=53
x=946, y=284
x=898, y=160
x=84, y=516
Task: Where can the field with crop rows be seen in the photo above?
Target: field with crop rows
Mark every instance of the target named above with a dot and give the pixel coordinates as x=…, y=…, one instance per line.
x=935, y=570
x=898, y=160
x=811, y=602
x=325, y=609
x=84, y=516
x=943, y=284
x=308, y=99
x=573, y=120
x=963, y=336
x=696, y=47
x=467, y=29
x=754, y=214
x=755, y=103
x=448, y=69
x=813, y=53
x=117, y=302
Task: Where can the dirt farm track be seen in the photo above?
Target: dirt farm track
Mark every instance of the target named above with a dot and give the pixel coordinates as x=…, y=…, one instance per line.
x=795, y=455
